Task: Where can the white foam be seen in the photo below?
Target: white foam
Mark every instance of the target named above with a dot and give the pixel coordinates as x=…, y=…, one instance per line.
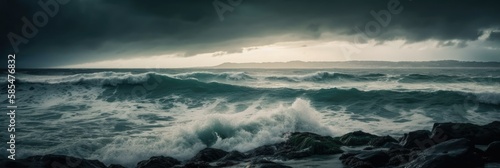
x=489, y=97
x=241, y=131
x=98, y=78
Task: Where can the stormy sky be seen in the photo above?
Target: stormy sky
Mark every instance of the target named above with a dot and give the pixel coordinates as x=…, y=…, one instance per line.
x=185, y=33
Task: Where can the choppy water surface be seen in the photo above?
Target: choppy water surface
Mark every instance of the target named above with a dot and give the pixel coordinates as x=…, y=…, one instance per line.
x=124, y=116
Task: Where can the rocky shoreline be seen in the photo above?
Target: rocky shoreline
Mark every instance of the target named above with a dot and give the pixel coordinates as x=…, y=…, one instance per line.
x=446, y=145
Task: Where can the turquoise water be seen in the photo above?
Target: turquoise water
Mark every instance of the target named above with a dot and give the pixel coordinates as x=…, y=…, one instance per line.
x=127, y=115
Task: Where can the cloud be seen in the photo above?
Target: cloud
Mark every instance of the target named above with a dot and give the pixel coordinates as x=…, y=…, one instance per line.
x=97, y=30
x=494, y=36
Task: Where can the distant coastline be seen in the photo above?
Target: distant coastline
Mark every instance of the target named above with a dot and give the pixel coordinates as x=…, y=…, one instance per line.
x=358, y=64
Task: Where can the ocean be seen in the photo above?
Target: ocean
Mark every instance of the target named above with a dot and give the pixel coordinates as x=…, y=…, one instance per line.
x=123, y=116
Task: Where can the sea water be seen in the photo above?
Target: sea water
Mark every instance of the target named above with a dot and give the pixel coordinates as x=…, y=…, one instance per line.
x=123, y=116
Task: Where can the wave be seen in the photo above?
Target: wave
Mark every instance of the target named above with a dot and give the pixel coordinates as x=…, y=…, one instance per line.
x=210, y=76
x=128, y=86
x=240, y=131
x=115, y=78
x=412, y=78
x=323, y=76
x=99, y=78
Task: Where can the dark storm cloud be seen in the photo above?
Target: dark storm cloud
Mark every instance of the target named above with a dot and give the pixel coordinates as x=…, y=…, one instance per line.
x=494, y=36
x=95, y=30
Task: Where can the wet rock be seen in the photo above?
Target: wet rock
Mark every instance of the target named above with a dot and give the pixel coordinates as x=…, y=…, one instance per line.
x=348, y=155
x=480, y=135
x=266, y=150
x=234, y=156
x=367, y=159
x=381, y=141
x=368, y=148
x=357, y=138
x=391, y=145
x=158, y=162
x=262, y=163
x=376, y=158
x=415, y=139
x=197, y=164
x=63, y=161
x=398, y=151
x=50, y=161
x=116, y=166
x=7, y=163
x=304, y=144
x=226, y=163
x=493, y=152
x=398, y=156
x=209, y=155
x=452, y=153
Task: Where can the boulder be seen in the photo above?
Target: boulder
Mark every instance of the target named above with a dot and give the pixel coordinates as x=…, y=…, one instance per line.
x=262, y=163
x=197, y=164
x=480, y=135
x=7, y=163
x=266, y=150
x=209, y=155
x=381, y=141
x=366, y=159
x=415, y=139
x=452, y=153
x=493, y=152
x=51, y=161
x=158, y=162
x=398, y=156
x=116, y=166
x=357, y=138
x=234, y=156
x=63, y=161
x=304, y=144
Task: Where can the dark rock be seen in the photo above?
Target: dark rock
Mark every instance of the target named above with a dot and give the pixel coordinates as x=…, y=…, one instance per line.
x=158, y=162
x=197, y=164
x=480, y=135
x=376, y=158
x=398, y=151
x=234, y=156
x=266, y=150
x=493, y=152
x=226, y=163
x=366, y=159
x=357, y=138
x=49, y=161
x=261, y=163
x=304, y=144
x=398, y=156
x=452, y=153
x=353, y=162
x=415, y=139
x=398, y=160
x=381, y=141
x=368, y=148
x=7, y=163
x=116, y=166
x=209, y=155
x=348, y=155
x=391, y=145
x=63, y=161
